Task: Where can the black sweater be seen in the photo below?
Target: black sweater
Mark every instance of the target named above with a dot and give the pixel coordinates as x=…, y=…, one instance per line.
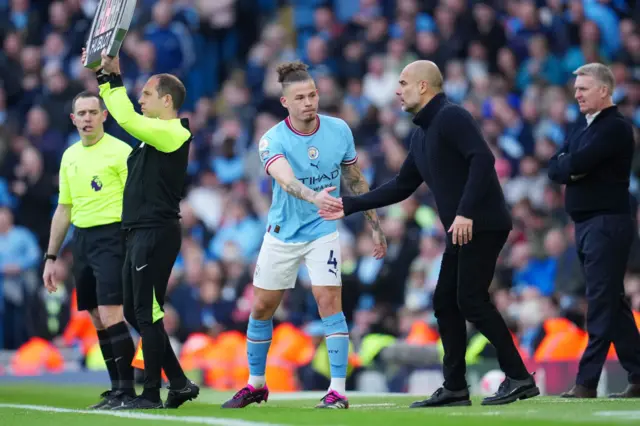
x=449, y=154
x=595, y=165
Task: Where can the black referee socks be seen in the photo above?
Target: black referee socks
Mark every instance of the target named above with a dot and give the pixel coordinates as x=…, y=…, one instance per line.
x=123, y=353
x=107, y=354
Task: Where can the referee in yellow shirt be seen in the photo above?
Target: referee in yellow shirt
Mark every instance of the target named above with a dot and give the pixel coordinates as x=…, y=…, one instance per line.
x=93, y=172
x=151, y=219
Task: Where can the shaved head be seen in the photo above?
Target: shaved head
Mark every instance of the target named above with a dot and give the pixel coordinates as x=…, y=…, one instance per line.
x=427, y=71
x=419, y=82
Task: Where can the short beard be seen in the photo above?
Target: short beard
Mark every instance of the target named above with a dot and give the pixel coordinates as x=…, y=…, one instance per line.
x=312, y=118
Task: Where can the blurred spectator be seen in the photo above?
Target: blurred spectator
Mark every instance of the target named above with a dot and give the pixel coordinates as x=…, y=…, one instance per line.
x=19, y=256
x=170, y=37
x=33, y=189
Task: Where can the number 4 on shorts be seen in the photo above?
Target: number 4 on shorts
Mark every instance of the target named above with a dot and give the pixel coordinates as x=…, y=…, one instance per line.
x=332, y=260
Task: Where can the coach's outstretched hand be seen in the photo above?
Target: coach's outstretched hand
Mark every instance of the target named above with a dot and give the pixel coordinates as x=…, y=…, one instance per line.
x=327, y=214
x=325, y=201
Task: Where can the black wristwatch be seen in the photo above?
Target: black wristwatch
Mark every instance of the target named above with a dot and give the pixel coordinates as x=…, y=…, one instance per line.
x=48, y=256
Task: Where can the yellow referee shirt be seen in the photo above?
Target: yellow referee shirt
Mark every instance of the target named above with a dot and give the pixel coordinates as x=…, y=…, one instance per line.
x=92, y=180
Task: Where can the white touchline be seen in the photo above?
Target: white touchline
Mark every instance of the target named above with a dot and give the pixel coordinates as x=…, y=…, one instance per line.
x=215, y=421
x=382, y=404
x=622, y=414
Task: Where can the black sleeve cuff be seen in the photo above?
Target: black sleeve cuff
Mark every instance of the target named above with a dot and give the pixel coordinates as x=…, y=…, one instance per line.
x=348, y=205
x=114, y=79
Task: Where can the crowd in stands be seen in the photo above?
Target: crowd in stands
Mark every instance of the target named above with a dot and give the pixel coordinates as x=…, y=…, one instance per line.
x=509, y=63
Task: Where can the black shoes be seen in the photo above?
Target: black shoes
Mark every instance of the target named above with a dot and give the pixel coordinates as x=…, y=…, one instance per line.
x=177, y=397
x=119, y=400
x=139, y=403
x=579, y=391
x=106, y=396
x=632, y=391
x=443, y=397
x=111, y=399
x=511, y=390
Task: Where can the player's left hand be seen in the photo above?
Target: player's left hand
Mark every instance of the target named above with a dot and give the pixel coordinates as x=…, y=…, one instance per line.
x=110, y=65
x=379, y=245
x=461, y=230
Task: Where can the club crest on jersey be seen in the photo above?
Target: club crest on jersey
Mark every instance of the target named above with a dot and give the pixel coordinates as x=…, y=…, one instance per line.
x=313, y=153
x=264, y=144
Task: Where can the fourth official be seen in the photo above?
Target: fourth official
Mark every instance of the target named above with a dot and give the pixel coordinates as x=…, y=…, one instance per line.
x=151, y=220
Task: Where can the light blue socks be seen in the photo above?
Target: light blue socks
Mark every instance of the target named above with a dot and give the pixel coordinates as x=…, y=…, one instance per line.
x=259, y=335
x=337, y=336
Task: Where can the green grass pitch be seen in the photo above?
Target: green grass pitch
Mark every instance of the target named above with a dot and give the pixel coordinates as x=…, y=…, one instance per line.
x=64, y=405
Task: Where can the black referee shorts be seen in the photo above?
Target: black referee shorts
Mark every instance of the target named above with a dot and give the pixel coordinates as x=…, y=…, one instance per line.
x=150, y=255
x=98, y=256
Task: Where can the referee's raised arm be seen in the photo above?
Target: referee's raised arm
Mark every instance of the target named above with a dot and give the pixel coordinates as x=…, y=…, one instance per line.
x=158, y=126
x=155, y=184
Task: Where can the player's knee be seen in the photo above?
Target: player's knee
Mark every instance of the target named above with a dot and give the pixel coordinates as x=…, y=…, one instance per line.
x=263, y=309
x=111, y=315
x=265, y=303
x=96, y=320
x=329, y=300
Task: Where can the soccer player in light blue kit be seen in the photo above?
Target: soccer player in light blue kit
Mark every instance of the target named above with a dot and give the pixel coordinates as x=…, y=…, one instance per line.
x=306, y=154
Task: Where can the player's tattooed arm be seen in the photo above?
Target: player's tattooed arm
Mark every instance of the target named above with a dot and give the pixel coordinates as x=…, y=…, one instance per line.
x=281, y=171
x=300, y=191
x=357, y=183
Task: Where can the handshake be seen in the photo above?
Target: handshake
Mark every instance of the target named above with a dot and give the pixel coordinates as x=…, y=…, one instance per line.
x=330, y=208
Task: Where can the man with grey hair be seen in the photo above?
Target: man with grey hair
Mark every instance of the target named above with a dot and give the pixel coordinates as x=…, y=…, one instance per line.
x=595, y=165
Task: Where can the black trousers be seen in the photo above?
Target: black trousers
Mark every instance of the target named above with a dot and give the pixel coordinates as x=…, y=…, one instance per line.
x=462, y=293
x=150, y=255
x=603, y=247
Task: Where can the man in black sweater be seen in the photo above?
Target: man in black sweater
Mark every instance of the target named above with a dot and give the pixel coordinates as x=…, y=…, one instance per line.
x=595, y=165
x=449, y=154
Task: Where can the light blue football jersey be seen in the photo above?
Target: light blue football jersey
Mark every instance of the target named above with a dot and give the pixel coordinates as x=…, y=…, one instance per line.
x=316, y=159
